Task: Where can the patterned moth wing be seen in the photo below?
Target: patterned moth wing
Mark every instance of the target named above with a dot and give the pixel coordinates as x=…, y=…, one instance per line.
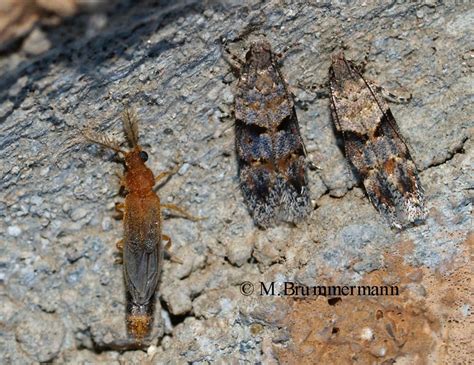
x=270, y=150
x=374, y=146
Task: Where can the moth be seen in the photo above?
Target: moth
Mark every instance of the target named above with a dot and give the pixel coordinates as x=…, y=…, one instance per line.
x=271, y=155
x=142, y=245
x=374, y=145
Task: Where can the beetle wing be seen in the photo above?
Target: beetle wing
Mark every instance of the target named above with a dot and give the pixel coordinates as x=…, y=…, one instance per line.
x=142, y=253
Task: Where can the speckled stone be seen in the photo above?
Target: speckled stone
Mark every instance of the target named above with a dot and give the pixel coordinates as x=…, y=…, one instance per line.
x=57, y=228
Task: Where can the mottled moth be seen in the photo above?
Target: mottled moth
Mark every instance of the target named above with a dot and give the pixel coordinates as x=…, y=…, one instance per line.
x=270, y=151
x=374, y=145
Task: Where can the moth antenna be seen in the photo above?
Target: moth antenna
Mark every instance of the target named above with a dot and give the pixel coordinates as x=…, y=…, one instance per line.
x=130, y=126
x=101, y=139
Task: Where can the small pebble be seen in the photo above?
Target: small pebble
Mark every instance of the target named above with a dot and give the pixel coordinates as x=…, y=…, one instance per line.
x=179, y=302
x=14, y=231
x=228, y=96
x=378, y=351
x=184, y=169
x=367, y=334
x=36, y=200
x=78, y=214
x=106, y=223
x=151, y=350
x=415, y=275
x=466, y=310
x=36, y=43
x=238, y=253
x=40, y=335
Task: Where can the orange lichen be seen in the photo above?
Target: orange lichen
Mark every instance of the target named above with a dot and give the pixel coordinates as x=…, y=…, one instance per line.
x=425, y=324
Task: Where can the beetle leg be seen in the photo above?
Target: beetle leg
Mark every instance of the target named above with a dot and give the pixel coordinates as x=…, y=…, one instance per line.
x=173, y=258
x=182, y=212
x=164, y=174
x=119, y=259
x=119, y=208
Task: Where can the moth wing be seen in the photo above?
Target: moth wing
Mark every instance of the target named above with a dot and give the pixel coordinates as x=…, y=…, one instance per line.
x=338, y=74
x=388, y=122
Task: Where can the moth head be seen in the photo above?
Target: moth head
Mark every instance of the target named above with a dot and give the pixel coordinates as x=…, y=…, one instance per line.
x=338, y=56
x=260, y=54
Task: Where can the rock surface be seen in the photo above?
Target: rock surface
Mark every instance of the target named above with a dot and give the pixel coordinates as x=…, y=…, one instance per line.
x=62, y=294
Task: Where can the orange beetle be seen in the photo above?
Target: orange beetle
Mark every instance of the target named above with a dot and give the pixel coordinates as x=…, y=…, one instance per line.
x=141, y=246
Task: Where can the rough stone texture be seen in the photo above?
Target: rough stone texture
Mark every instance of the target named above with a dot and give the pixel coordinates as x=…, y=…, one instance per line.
x=62, y=295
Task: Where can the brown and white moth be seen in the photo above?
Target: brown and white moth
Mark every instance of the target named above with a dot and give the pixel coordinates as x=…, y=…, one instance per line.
x=270, y=151
x=374, y=145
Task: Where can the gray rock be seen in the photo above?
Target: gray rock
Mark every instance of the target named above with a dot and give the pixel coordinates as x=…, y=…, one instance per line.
x=40, y=335
x=56, y=198
x=178, y=299
x=14, y=231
